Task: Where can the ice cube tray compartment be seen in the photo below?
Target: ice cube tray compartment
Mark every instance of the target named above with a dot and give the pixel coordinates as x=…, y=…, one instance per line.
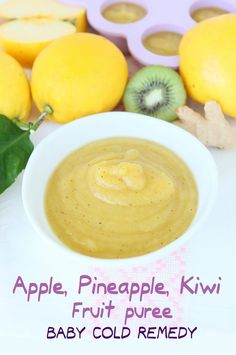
x=161, y=16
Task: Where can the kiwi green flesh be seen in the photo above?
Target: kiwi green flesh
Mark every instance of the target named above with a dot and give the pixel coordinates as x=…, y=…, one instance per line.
x=155, y=91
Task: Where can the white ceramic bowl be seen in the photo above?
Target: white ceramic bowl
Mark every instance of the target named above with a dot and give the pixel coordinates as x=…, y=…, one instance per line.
x=53, y=149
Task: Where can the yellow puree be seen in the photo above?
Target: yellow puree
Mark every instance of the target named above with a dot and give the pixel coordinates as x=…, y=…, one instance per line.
x=120, y=197
x=206, y=13
x=124, y=12
x=163, y=43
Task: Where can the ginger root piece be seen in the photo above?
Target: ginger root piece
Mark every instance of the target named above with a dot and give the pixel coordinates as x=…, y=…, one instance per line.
x=212, y=130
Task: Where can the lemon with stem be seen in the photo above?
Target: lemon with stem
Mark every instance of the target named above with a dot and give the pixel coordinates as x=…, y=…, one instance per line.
x=78, y=75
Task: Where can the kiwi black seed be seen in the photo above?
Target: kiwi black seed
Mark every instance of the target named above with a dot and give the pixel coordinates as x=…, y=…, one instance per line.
x=155, y=91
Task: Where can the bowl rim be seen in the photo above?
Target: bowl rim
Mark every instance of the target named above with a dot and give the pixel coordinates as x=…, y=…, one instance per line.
x=120, y=262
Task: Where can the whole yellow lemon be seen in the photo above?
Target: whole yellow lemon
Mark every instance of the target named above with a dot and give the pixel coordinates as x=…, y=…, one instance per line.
x=208, y=62
x=15, y=98
x=78, y=75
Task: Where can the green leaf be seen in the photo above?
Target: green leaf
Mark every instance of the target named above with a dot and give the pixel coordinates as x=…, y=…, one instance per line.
x=15, y=150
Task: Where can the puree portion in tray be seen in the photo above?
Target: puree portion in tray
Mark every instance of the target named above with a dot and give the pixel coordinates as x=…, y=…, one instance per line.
x=163, y=43
x=124, y=12
x=120, y=198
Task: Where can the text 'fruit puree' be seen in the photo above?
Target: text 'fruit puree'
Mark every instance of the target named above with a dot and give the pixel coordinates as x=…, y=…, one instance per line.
x=120, y=197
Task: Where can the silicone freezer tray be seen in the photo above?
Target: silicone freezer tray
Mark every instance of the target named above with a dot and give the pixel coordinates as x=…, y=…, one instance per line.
x=162, y=15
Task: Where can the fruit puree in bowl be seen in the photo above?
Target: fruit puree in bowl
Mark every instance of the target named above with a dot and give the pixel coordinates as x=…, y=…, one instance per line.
x=138, y=186
x=120, y=198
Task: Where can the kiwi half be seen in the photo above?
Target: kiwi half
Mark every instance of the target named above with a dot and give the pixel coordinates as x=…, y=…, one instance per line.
x=155, y=91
